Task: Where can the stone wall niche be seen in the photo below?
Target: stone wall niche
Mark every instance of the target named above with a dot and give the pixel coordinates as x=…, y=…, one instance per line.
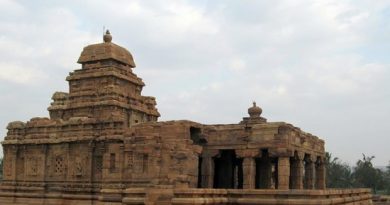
x=112, y=162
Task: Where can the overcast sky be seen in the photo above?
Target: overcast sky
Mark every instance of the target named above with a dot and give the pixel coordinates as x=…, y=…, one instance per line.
x=323, y=66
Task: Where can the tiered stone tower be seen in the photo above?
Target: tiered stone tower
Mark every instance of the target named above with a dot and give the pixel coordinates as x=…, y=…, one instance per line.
x=105, y=88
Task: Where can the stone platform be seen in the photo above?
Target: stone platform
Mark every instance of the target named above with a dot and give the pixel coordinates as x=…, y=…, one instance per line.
x=184, y=196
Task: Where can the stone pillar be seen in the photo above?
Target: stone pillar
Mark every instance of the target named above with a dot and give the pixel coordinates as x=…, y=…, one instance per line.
x=309, y=173
x=248, y=167
x=297, y=171
x=249, y=172
x=207, y=168
x=207, y=172
x=283, y=172
x=320, y=174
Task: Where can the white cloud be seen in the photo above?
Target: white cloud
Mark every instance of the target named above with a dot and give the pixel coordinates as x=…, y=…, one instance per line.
x=237, y=64
x=18, y=74
x=11, y=9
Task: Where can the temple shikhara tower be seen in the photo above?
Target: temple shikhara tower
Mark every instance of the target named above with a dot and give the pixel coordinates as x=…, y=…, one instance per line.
x=103, y=144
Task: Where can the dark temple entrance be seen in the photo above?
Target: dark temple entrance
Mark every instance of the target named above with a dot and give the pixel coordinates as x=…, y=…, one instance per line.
x=228, y=171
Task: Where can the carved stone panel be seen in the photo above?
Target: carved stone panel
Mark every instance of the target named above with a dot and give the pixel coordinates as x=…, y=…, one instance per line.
x=59, y=165
x=99, y=164
x=57, y=161
x=140, y=163
x=32, y=166
x=113, y=161
x=78, y=166
x=34, y=162
x=20, y=164
x=9, y=161
x=129, y=161
x=97, y=161
x=8, y=166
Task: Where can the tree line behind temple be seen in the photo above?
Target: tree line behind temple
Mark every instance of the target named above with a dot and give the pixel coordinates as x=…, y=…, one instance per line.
x=340, y=175
x=362, y=174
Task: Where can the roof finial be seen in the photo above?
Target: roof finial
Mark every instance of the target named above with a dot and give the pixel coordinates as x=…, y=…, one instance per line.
x=107, y=38
x=254, y=111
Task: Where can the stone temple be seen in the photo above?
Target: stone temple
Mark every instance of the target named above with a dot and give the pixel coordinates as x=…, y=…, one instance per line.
x=103, y=144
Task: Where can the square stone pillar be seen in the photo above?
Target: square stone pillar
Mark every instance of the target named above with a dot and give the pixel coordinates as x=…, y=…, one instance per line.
x=309, y=174
x=249, y=172
x=283, y=172
x=297, y=171
x=320, y=174
x=248, y=166
x=207, y=172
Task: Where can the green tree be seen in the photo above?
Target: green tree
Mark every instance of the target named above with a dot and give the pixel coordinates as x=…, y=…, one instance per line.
x=367, y=176
x=338, y=174
x=387, y=179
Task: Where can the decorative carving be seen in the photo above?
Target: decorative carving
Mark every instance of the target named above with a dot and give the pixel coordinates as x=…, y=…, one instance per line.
x=145, y=163
x=112, y=162
x=138, y=157
x=210, y=153
x=129, y=160
x=141, y=161
x=32, y=166
x=59, y=166
x=79, y=166
x=7, y=166
x=243, y=153
x=20, y=167
x=98, y=164
x=280, y=152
